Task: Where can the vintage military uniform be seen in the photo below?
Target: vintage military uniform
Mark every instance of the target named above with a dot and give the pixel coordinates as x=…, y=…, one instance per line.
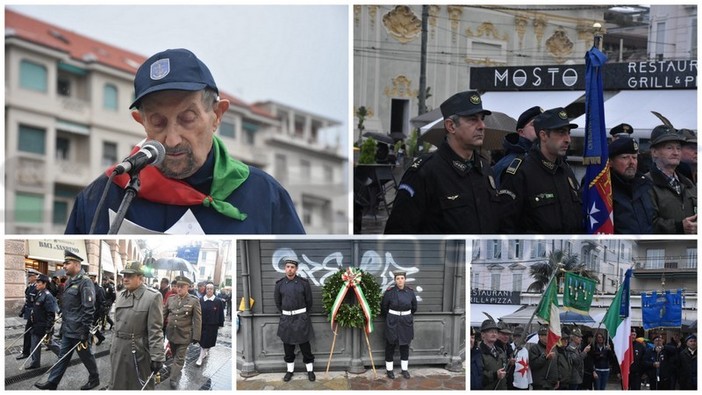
x=546, y=196
x=42, y=317
x=494, y=359
x=183, y=316
x=293, y=298
x=137, y=344
x=442, y=193
x=78, y=309
x=398, y=306
x=30, y=293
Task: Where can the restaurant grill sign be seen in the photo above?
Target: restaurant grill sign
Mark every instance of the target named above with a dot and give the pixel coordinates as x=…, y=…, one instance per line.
x=484, y=296
x=669, y=74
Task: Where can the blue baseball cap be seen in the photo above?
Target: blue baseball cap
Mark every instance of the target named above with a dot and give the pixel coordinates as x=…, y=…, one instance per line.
x=172, y=69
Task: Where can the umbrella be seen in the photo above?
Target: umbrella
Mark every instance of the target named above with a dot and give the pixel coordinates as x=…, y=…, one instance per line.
x=382, y=137
x=426, y=118
x=173, y=264
x=569, y=317
x=497, y=125
x=59, y=273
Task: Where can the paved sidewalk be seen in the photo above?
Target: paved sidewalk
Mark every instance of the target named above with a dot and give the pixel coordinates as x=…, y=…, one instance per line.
x=423, y=378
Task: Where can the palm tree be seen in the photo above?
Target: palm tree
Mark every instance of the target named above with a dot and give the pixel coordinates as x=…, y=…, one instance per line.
x=542, y=271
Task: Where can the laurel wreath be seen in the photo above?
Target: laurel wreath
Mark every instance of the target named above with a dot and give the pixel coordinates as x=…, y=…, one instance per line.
x=350, y=315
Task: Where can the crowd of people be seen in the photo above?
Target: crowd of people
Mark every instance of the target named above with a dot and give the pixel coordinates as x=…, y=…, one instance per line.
x=502, y=358
x=532, y=189
x=81, y=310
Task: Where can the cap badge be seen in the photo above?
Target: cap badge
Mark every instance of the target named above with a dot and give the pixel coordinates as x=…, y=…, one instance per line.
x=563, y=115
x=636, y=145
x=160, y=69
x=625, y=128
x=475, y=99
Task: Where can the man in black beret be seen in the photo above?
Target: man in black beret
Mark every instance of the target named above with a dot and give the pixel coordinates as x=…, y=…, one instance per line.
x=518, y=143
x=621, y=130
x=451, y=190
x=674, y=195
x=631, y=191
x=546, y=197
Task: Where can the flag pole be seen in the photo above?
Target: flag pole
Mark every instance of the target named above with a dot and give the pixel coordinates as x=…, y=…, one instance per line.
x=555, y=273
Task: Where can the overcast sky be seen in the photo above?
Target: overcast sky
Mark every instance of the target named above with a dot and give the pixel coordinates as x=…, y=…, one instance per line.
x=296, y=55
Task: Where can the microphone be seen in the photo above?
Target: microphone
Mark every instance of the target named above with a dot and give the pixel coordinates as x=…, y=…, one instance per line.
x=151, y=153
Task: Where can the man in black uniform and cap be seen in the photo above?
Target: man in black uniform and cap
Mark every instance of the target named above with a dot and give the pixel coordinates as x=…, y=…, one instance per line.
x=42, y=317
x=451, y=190
x=544, y=189
x=293, y=297
x=30, y=293
x=398, y=306
x=518, y=143
x=631, y=190
x=77, y=316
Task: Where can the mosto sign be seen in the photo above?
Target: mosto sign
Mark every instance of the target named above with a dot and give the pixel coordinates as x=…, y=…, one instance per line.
x=670, y=74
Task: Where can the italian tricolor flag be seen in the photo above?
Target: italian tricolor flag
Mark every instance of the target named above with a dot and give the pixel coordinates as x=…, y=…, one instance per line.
x=548, y=311
x=618, y=323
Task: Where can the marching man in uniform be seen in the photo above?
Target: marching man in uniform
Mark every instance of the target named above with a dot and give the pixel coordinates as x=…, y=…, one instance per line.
x=398, y=306
x=184, y=317
x=137, y=343
x=42, y=318
x=293, y=297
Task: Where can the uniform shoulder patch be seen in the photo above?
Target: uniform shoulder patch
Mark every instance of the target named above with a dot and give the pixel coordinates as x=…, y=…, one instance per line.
x=419, y=162
x=514, y=166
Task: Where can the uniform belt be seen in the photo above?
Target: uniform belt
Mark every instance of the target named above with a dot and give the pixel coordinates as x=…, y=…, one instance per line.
x=406, y=312
x=295, y=312
x=129, y=335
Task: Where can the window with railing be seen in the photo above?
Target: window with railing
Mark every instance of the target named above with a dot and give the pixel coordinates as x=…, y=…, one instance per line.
x=655, y=258
x=691, y=261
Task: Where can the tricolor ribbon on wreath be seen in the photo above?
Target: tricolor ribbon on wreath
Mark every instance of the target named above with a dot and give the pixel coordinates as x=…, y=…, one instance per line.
x=352, y=280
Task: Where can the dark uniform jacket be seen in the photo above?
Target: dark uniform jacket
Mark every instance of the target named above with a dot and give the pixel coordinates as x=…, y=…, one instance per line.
x=30, y=293
x=43, y=313
x=493, y=360
x=212, y=319
x=514, y=146
x=78, y=306
x=442, y=194
x=687, y=372
x=633, y=207
x=665, y=371
x=399, y=329
x=476, y=369
x=637, y=365
x=184, y=319
x=110, y=295
x=546, y=197
x=576, y=358
x=291, y=295
x=669, y=207
x=540, y=366
x=99, y=302
x=268, y=206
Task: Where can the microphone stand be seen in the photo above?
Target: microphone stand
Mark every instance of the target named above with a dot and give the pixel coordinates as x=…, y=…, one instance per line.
x=130, y=193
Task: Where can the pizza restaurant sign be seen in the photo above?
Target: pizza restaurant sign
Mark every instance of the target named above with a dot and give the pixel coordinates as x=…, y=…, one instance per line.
x=669, y=74
x=484, y=296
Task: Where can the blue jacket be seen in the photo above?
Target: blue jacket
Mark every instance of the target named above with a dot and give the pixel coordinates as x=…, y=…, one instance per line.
x=268, y=206
x=514, y=145
x=633, y=206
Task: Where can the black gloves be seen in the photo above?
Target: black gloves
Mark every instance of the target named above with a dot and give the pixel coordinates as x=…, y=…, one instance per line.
x=156, y=366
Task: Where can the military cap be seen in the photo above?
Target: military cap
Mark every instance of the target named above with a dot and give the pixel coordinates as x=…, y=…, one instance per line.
x=554, y=118
x=622, y=128
x=403, y=274
x=504, y=328
x=528, y=115
x=172, y=69
x=183, y=280
x=691, y=337
x=690, y=136
x=624, y=145
x=656, y=336
x=133, y=267
x=70, y=256
x=32, y=272
x=543, y=331
x=44, y=278
x=576, y=332
x=463, y=104
x=487, y=325
x=92, y=274
x=661, y=134
x=290, y=260
x=518, y=331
